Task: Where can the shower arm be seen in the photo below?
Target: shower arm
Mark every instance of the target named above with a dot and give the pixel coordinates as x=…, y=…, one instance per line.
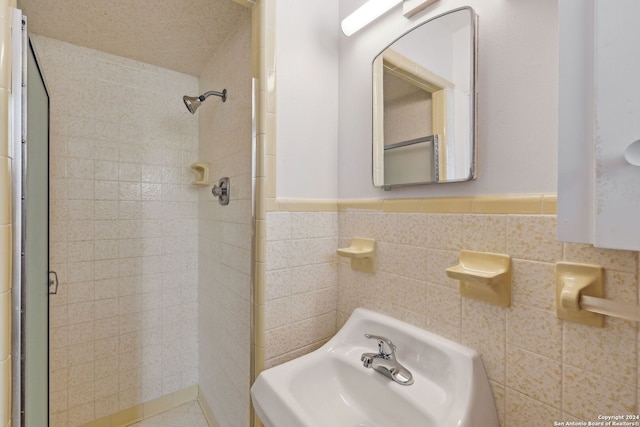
x=222, y=95
x=193, y=102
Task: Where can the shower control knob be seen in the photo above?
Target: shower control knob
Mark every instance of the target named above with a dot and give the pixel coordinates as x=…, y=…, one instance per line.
x=221, y=191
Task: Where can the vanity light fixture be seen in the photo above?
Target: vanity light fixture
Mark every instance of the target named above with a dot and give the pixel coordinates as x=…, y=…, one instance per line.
x=365, y=14
x=373, y=9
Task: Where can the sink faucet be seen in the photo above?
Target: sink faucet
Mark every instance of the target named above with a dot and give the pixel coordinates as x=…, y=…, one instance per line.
x=385, y=362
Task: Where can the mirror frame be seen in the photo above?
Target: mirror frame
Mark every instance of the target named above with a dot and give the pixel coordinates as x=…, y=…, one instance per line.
x=440, y=90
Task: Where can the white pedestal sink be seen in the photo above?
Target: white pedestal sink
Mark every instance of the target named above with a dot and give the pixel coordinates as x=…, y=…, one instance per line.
x=331, y=388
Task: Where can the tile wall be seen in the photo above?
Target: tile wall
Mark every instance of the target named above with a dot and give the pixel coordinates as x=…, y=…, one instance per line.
x=541, y=369
x=301, y=285
x=123, y=327
x=224, y=294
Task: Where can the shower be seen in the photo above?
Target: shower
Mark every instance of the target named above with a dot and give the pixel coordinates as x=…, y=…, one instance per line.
x=150, y=301
x=193, y=102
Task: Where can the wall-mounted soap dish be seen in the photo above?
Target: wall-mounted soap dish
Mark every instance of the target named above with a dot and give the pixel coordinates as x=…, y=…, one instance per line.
x=202, y=173
x=362, y=253
x=484, y=276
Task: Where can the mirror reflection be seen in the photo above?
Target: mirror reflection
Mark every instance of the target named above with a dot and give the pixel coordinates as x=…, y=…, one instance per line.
x=423, y=104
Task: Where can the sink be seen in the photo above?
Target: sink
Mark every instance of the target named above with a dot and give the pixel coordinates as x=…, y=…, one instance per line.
x=331, y=387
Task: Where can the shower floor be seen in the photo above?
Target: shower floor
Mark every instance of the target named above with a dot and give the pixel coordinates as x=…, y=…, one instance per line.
x=185, y=415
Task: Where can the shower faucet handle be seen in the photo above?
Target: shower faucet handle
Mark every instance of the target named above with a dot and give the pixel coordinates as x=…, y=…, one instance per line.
x=222, y=190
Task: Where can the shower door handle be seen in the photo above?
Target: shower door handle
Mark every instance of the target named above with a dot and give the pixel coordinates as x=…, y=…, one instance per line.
x=53, y=282
x=221, y=191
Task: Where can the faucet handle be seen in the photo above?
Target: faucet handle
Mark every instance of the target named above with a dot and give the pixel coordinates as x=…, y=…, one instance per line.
x=382, y=342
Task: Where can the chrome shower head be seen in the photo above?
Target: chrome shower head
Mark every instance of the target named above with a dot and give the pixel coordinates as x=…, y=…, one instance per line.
x=193, y=102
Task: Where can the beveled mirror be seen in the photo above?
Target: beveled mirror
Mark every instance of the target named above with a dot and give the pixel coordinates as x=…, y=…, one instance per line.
x=424, y=104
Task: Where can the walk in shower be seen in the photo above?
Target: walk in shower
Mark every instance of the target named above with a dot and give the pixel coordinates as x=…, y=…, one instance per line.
x=154, y=297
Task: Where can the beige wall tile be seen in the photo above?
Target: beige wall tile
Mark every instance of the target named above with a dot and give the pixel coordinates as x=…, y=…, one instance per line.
x=301, y=283
x=409, y=261
x=359, y=224
x=278, y=313
x=403, y=228
x=535, y=330
x=313, y=304
x=485, y=233
x=444, y=305
x=313, y=224
x=522, y=410
x=491, y=346
x=533, y=283
x=278, y=226
x=603, y=351
x=533, y=237
x=296, y=335
x=484, y=329
x=499, y=395
x=444, y=329
x=626, y=261
x=398, y=295
x=445, y=232
x=535, y=375
x=437, y=263
x=585, y=395
x=58, y=402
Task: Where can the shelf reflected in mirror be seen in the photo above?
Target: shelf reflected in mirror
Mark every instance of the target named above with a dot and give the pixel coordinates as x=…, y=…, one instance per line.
x=424, y=104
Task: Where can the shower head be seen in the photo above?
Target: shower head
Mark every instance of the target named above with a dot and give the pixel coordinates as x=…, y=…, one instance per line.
x=193, y=102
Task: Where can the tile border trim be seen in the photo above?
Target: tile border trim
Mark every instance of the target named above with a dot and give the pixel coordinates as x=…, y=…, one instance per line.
x=206, y=410
x=532, y=204
x=148, y=409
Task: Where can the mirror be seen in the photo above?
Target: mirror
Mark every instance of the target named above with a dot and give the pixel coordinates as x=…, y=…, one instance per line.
x=424, y=104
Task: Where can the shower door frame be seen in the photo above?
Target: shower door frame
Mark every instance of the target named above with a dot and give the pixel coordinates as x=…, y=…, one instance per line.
x=28, y=366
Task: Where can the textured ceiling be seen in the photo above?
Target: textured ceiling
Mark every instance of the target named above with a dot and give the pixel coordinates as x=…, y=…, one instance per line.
x=181, y=35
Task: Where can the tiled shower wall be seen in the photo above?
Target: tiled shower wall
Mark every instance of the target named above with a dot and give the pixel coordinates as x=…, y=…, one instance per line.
x=123, y=326
x=541, y=369
x=224, y=295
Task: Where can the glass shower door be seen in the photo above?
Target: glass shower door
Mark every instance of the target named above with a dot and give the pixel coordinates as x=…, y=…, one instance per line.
x=36, y=238
x=31, y=269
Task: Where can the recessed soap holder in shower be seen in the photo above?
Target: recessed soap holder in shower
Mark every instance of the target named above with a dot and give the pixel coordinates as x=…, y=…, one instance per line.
x=202, y=173
x=222, y=190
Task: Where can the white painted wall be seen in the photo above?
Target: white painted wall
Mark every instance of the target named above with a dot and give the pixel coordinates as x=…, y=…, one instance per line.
x=307, y=105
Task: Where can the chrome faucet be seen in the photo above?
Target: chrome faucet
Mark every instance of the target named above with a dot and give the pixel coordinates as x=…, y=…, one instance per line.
x=385, y=362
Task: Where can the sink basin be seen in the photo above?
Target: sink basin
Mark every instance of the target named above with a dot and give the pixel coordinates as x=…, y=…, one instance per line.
x=331, y=387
